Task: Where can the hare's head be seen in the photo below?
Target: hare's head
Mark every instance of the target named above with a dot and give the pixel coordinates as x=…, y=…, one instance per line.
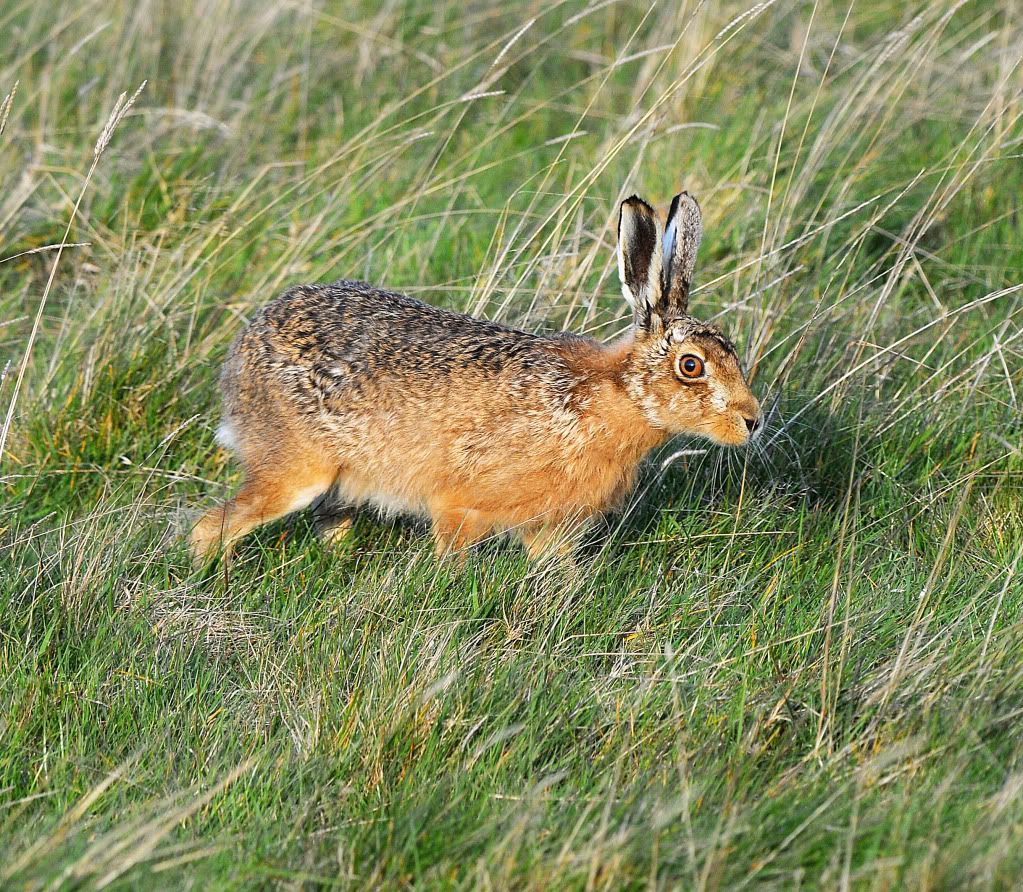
x=684, y=374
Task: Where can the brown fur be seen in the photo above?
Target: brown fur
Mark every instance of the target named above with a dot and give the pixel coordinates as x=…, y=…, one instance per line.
x=383, y=400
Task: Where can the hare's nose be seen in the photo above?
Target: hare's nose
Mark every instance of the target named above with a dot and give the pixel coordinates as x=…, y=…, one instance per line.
x=752, y=424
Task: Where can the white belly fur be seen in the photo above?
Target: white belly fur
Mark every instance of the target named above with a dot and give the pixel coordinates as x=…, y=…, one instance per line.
x=389, y=504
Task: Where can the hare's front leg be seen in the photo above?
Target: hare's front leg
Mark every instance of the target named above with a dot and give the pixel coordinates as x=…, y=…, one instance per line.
x=455, y=529
x=554, y=539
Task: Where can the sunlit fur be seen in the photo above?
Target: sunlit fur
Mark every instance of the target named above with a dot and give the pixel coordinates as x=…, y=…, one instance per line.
x=715, y=406
x=382, y=400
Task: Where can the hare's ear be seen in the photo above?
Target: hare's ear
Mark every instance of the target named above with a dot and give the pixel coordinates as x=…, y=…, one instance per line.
x=681, y=239
x=640, y=258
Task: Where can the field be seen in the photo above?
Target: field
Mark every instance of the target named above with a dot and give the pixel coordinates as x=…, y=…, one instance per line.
x=794, y=666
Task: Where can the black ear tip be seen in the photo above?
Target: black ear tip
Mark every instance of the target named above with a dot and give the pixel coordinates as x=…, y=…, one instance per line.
x=640, y=213
x=683, y=199
x=636, y=203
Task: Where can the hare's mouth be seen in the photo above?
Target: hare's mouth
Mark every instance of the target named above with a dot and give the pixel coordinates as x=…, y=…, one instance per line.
x=734, y=429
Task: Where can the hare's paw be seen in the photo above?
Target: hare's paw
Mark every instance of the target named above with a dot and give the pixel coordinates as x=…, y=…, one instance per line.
x=554, y=541
x=333, y=529
x=206, y=539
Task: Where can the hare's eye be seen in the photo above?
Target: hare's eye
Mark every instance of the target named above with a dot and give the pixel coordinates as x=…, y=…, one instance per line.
x=689, y=367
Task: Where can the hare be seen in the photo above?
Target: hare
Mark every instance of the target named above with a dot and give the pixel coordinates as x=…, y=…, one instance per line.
x=371, y=397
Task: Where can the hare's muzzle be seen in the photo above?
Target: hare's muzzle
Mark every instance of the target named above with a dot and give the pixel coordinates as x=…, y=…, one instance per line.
x=754, y=424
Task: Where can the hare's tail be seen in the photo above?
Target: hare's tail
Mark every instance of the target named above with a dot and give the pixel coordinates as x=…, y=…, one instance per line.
x=225, y=436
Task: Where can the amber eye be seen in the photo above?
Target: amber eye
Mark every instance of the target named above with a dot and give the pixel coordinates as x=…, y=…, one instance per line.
x=689, y=366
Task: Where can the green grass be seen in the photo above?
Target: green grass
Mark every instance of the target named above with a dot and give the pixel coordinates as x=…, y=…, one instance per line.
x=795, y=667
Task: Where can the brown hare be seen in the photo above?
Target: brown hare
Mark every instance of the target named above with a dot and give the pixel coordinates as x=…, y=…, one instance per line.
x=377, y=398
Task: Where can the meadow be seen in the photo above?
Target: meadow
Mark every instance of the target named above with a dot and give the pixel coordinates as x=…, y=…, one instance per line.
x=794, y=666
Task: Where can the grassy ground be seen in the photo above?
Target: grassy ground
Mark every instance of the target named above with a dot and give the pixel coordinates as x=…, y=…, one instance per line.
x=797, y=666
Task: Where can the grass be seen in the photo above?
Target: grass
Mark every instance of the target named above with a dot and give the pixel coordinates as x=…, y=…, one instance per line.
x=796, y=666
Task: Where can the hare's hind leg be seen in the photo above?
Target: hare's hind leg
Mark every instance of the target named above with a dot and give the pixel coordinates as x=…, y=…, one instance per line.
x=267, y=494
